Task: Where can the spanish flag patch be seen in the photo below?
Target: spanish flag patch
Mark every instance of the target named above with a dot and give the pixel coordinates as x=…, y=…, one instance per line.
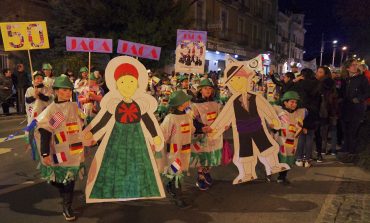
x=211, y=116
x=185, y=128
x=72, y=128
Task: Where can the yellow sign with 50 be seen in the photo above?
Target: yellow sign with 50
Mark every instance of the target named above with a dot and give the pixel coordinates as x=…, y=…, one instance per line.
x=24, y=35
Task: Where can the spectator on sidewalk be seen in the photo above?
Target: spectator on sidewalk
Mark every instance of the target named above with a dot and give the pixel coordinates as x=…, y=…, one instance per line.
x=323, y=74
x=286, y=84
x=21, y=81
x=307, y=87
x=339, y=88
x=6, y=85
x=353, y=110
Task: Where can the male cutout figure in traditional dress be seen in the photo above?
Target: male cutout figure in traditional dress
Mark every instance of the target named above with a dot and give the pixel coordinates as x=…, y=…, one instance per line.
x=124, y=167
x=248, y=112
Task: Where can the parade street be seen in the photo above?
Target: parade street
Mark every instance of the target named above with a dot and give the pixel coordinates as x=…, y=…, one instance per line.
x=327, y=192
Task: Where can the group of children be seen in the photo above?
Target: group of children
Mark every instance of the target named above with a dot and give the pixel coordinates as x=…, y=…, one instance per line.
x=123, y=167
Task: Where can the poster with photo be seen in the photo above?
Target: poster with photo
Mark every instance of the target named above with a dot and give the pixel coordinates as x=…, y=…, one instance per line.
x=190, y=51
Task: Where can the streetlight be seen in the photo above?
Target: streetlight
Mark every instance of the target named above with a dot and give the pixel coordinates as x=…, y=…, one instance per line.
x=341, y=57
x=354, y=56
x=334, y=48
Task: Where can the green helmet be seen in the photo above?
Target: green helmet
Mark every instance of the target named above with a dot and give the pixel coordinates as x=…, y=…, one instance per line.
x=84, y=69
x=92, y=77
x=181, y=78
x=289, y=95
x=205, y=82
x=47, y=66
x=62, y=82
x=178, y=98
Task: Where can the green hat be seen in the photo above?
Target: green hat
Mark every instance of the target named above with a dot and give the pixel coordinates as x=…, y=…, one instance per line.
x=178, y=98
x=92, y=77
x=62, y=82
x=84, y=69
x=181, y=78
x=289, y=95
x=38, y=73
x=47, y=66
x=205, y=82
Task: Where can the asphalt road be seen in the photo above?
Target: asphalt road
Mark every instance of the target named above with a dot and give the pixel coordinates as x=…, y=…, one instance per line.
x=327, y=192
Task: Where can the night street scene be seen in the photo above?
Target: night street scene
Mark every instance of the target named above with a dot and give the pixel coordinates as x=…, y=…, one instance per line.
x=184, y=111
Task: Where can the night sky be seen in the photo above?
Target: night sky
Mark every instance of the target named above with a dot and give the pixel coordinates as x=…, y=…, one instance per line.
x=321, y=16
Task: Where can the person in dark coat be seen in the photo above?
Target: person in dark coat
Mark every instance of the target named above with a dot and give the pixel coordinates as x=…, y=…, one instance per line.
x=6, y=85
x=308, y=90
x=354, y=107
x=286, y=84
x=22, y=81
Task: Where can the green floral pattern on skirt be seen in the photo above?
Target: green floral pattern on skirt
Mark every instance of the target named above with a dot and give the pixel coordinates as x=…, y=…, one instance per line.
x=286, y=159
x=60, y=174
x=212, y=158
x=126, y=170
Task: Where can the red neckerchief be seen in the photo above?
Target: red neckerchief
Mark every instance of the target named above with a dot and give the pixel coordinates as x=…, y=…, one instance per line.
x=130, y=113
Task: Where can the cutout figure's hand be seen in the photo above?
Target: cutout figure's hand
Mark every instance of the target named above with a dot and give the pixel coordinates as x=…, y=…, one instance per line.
x=47, y=160
x=157, y=140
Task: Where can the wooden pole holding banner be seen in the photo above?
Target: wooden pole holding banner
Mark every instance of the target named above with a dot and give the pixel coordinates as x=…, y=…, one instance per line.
x=30, y=61
x=88, y=75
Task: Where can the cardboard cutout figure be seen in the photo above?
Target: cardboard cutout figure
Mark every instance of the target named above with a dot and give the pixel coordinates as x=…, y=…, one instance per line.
x=124, y=167
x=248, y=113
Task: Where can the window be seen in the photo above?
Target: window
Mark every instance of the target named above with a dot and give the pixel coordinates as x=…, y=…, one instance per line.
x=4, y=61
x=241, y=29
x=224, y=20
x=199, y=10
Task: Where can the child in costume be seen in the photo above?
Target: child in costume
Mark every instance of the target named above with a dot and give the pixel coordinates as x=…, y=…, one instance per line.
x=177, y=129
x=90, y=97
x=58, y=136
x=206, y=151
x=291, y=118
x=81, y=83
x=37, y=97
x=124, y=167
x=47, y=69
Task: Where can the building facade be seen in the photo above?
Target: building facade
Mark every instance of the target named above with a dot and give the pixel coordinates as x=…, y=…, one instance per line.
x=290, y=40
x=240, y=28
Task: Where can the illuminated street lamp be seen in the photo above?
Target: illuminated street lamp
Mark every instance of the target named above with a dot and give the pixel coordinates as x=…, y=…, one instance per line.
x=341, y=57
x=334, y=48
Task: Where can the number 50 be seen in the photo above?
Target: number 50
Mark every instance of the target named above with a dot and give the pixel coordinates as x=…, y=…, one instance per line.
x=23, y=32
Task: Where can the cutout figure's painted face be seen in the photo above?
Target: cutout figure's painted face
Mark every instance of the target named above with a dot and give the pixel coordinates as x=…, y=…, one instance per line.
x=127, y=85
x=239, y=84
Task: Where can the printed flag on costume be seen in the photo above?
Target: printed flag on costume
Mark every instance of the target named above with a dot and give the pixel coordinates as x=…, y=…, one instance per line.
x=196, y=146
x=185, y=128
x=60, y=137
x=176, y=165
x=59, y=158
x=211, y=116
x=185, y=148
x=289, y=143
x=72, y=127
x=76, y=148
x=172, y=148
x=56, y=120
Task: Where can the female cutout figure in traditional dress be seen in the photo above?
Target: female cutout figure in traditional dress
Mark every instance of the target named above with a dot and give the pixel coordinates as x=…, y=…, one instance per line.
x=124, y=167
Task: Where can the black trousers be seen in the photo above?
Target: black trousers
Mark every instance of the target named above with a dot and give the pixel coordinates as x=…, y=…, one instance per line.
x=5, y=106
x=350, y=134
x=21, y=109
x=245, y=142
